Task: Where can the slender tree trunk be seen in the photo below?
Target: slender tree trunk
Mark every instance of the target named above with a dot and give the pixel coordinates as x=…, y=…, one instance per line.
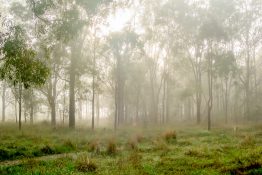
x=210, y=90
x=120, y=85
x=20, y=106
x=31, y=114
x=97, y=110
x=25, y=114
x=199, y=96
x=72, y=94
x=16, y=117
x=3, y=102
x=93, y=99
x=226, y=102
x=164, y=103
x=64, y=105
x=168, y=97
x=137, y=105
x=248, y=71
x=53, y=113
x=116, y=110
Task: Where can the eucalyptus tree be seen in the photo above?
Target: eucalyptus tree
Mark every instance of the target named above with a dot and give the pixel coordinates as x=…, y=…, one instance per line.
x=249, y=37
x=67, y=20
x=226, y=69
x=122, y=46
x=21, y=67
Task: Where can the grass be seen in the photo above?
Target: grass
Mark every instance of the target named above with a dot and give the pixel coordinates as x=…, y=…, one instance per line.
x=132, y=151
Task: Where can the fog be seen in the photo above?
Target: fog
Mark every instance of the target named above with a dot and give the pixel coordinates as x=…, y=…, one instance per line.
x=132, y=66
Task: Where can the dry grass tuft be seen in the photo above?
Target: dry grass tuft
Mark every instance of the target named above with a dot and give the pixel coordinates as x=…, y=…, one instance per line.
x=69, y=144
x=248, y=141
x=111, y=146
x=139, y=138
x=170, y=136
x=84, y=164
x=94, y=146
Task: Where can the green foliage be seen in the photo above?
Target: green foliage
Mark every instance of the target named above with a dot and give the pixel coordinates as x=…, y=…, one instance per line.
x=225, y=64
x=91, y=5
x=39, y=7
x=212, y=30
x=20, y=64
x=69, y=26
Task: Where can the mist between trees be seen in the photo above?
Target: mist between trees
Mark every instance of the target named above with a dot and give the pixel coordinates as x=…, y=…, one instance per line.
x=111, y=63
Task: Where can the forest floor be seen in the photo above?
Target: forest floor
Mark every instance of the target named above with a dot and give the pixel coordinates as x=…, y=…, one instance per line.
x=142, y=151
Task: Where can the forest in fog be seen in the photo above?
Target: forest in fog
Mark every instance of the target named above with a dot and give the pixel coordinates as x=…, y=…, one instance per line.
x=112, y=63
x=130, y=87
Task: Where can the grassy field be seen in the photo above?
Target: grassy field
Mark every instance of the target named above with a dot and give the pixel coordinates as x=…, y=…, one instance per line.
x=133, y=151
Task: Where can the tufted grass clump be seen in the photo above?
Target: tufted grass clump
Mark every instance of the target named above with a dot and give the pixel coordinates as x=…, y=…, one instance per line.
x=248, y=141
x=111, y=147
x=132, y=144
x=85, y=164
x=94, y=146
x=170, y=136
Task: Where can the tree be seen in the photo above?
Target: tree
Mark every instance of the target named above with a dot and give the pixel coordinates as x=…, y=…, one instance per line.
x=121, y=45
x=20, y=66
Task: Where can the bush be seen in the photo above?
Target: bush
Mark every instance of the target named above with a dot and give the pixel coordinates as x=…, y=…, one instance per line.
x=84, y=164
x=170, y=136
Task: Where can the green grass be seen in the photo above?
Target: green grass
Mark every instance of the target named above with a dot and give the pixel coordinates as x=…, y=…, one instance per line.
x=195, y=151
